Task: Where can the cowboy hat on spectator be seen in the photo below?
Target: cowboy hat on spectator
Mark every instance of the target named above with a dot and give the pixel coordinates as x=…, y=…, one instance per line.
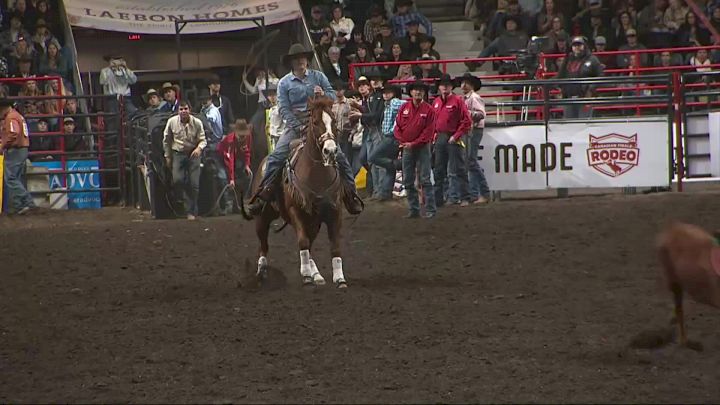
x=446, y=79
x=418, y=85
x=296, y=51
x=474, y=81
x=391, y=88
x=169, y=86
x=362, y=80
x=426, y=38
x=150, y=93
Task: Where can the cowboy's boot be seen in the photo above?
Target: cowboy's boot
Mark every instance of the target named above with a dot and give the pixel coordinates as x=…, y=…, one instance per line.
x=353, y=203
x=257, y=203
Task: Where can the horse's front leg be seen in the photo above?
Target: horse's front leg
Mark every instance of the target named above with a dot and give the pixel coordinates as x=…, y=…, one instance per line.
x=308, y=270
x=333, y=229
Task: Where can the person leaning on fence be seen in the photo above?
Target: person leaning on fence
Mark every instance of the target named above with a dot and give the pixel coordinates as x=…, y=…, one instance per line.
x=478, y=187
x=14, y=143
x=184, y=141
x=170, y=93
x=236, y=153
x=452, y=124
x=294, y=90
x=386, y=152
x=414, y=129
x=579, y=64
x=116, y=80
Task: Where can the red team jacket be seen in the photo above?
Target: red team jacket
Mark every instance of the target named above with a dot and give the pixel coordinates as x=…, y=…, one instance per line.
x=415, y=125
x=452, y=116
x=228, y=149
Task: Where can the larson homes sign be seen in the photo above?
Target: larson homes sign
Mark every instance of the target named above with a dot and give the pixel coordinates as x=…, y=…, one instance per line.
x=158, y=16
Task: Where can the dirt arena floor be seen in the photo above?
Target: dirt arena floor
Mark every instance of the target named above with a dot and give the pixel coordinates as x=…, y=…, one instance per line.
x=520, y=301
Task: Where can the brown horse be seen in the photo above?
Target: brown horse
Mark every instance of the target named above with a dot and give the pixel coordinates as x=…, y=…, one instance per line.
x=310, y=195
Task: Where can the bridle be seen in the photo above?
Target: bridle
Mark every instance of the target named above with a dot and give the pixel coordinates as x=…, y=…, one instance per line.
x=319, y=142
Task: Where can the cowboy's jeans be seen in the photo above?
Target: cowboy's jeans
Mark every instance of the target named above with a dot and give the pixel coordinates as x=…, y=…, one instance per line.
x=385, y=155
x=478, y=182
x=17, y=195
x=450, y=158
x=418, y=158
x=377, y=173
x=186, y=179
x=280, y=154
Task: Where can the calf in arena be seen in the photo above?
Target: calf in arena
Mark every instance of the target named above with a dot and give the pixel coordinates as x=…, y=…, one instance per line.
x=691, y=261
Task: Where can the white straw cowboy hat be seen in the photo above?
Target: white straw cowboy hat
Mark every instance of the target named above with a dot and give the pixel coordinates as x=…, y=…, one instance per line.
x=295, y=51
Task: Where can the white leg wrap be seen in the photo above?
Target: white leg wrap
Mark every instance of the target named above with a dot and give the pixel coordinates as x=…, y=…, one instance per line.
x=313, y=267
x=262, y=264
x=337, y=270
x=305, y=267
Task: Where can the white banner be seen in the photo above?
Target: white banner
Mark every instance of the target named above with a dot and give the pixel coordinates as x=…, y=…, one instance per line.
x=158, y=16
x=605, y=154
x=510, y=157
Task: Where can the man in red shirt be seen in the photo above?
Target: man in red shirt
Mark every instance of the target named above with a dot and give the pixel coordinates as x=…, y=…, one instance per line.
x=235, y=150
x=452, y=123
x=414, y=128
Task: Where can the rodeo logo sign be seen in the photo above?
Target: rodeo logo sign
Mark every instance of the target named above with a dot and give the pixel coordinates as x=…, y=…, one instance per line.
x=613, y=154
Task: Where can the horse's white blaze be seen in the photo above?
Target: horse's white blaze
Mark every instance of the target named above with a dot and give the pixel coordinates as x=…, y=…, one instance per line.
x=305, y=267
x=338, y=275
x=330, y=146
x=327, y=120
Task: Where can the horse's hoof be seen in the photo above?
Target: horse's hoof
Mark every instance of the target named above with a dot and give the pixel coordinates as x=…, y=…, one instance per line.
x=341, y=284
x=307, y=281
x=318, y=279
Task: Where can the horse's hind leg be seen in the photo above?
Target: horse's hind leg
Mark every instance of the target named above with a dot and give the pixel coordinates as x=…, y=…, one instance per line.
x=334, y=236
x=262, y=228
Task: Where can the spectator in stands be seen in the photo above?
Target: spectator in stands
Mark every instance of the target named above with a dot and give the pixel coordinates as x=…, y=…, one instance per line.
x=404, y=15
x=546, y=18
x=385, y=40
x=597, y=28
x=405, y=73
x=327, y=39
x=411, y=41
x=74, y=142
x=665, y=60
x=427, y=70
x=498, y=25
x=341, y=25
x=414, y=130
x=30, y=89
x=385, y=153
x=477, y=183
x=71, y=110
x=27, y=15
x=692, y=33
x=715, y=18
x=53, y=63
x=364, y=56
x=427, y=44
x=372, y=26
x=184, y=141
x=675, y=15
x=23, y=69
x=623, y=60
x=116, y=80
x=350, y=50
x=651, y=24
x=452, y=124
x=222, y=102
x=170, y=95
x=54, y=107
x=341, y=111
x=606, y=61
x=317, y=23
x=39, y=141
x=396, y=55
x=334, y=67
x=235, y=150
x=44, y=12
x=14, y=143
x=260, y=82
x=581, y=63
x=700, y=61
x=623, y=23
x=42, y=37
x=10, y=36
x=510, y=39
x=22, y=50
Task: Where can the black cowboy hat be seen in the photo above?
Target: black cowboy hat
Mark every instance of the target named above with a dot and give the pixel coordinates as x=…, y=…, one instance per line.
x=446, y=79
x=418, y=84
x=393, y=88
x=428, y=38
x=297, y=50
x=476, y=82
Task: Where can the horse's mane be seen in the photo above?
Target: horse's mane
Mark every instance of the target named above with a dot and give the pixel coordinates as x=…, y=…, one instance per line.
x=319, y=104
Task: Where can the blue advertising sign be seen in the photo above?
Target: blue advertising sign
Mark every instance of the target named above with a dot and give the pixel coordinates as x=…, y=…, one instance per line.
x=76, y=181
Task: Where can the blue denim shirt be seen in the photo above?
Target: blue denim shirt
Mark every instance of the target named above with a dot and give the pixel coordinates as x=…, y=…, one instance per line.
x=293, y=94
x=213, y=116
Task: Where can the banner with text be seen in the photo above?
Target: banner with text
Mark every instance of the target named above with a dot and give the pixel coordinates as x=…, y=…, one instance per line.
x=158, y=16
x=573, y=155
x=76, y=181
